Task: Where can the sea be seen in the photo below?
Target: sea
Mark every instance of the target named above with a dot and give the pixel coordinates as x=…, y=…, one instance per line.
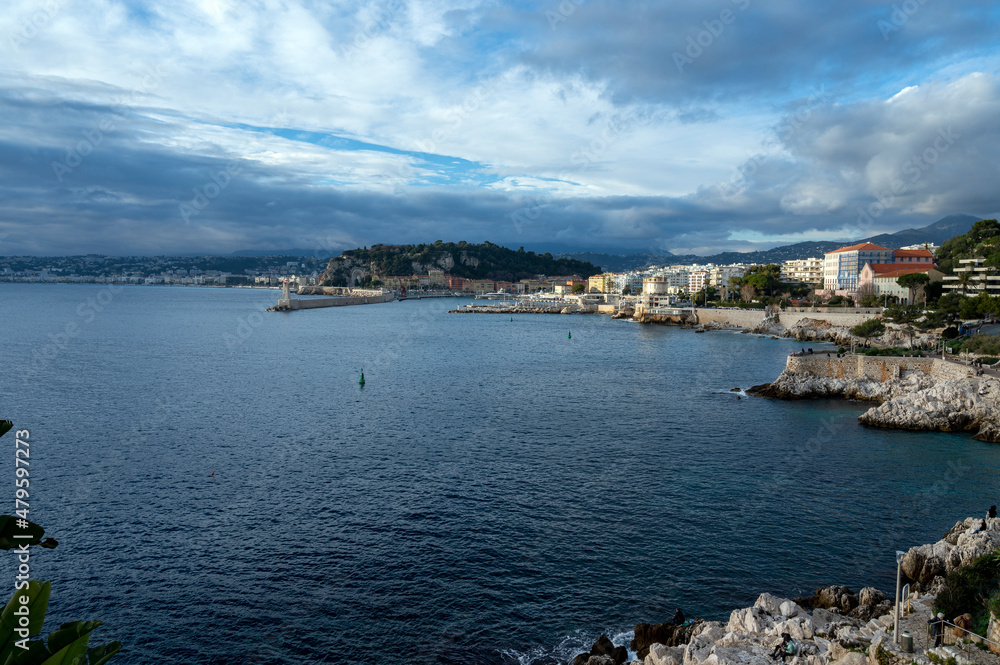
x=502, y=490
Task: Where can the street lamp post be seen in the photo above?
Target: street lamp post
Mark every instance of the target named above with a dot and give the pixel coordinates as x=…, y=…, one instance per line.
x=899, y=577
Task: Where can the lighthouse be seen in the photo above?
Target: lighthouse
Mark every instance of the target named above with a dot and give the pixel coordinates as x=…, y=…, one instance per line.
x=286, y=299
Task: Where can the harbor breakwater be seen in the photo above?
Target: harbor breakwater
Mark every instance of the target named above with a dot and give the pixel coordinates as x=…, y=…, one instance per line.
x=348, y=297
x=928, y=394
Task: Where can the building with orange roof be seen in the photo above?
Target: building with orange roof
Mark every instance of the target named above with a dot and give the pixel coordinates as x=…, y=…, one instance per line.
x=882, y=277
x=841, y=267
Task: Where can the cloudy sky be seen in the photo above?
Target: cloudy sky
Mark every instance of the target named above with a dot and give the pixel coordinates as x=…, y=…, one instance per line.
x=682, y=125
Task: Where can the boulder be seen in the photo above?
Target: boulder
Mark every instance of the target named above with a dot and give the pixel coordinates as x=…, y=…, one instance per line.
x=823, y=620
x=853, y=658
x=601, y=660
x=620, y=655
x=835, y=597
x=749, y=620
x=603, y=647
x=871, y=596
x=799, y=628
x=666, y=634
x=660, y=654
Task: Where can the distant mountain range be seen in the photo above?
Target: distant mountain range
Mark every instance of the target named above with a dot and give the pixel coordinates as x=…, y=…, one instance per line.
x=936, y=233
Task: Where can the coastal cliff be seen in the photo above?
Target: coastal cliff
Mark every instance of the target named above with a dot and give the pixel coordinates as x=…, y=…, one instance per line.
x=913, y=393
x=832, y=626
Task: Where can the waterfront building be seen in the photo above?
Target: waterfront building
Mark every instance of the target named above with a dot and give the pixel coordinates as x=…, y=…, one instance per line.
x=697, y=279
x=803, y=271
x=720, y=275
x=436, y=277
x=841, y=267
x=883, y=278
x=973, y=277
x=603, y=283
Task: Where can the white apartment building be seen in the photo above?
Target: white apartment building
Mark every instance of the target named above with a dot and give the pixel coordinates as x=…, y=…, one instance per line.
x=982, y=279
x=806, y=271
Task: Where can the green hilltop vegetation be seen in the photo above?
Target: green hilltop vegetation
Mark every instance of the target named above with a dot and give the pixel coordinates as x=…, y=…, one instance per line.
x=462, y=259
x=982, y=241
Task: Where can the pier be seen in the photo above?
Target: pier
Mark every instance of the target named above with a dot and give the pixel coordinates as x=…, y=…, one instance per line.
x=351, y=297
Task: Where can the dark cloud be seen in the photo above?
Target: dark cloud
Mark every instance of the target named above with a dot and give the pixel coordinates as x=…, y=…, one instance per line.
x=689, y=53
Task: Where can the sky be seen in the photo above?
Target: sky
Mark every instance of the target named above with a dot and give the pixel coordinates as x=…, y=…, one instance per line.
x=689, y=126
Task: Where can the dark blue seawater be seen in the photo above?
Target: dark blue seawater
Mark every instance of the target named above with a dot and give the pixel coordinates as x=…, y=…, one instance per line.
x=496, y=493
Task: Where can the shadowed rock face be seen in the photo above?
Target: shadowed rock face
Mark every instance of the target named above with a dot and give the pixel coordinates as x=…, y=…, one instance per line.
x=603, y=652
x=666, y=634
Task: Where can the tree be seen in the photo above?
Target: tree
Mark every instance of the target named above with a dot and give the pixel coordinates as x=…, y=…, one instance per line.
x=578, y=288
x=914, y=282
x=627, y=291
x=868, y=329
x=964, y=279
x=866, y=290
x=747, y=292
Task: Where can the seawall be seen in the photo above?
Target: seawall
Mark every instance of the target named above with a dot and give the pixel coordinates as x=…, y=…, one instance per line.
x=751, y=318
x=875, y=368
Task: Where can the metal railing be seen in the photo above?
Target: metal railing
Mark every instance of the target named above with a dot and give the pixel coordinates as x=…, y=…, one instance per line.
x=968, y=634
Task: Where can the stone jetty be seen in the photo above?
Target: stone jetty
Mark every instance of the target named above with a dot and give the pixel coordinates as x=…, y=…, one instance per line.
x=834, y=625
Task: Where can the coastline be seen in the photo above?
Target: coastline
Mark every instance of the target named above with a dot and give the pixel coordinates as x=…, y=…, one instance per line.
x=924, y=394
x=833, y=625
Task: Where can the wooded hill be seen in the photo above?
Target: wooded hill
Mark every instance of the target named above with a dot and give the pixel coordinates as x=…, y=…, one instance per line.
x=982, y=241
x=462, y=259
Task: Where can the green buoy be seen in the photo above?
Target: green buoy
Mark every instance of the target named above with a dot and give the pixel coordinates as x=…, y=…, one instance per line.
x=512, y=318
x=361, y=381
x=571, y=335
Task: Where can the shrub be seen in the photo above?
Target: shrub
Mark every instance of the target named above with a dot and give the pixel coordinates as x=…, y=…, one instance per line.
x=970, y=588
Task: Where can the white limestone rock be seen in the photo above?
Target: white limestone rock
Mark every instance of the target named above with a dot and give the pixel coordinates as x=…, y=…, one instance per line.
x=750, y=620
x=853, y=658
x=664, y=655
x=961, y=405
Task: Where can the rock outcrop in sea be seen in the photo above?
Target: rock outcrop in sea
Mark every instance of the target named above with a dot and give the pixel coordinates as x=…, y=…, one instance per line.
x=913, y=393
x=963, y=405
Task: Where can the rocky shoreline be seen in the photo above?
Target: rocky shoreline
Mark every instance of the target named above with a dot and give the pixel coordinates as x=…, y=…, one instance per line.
x=834, y=624
x=911, y=393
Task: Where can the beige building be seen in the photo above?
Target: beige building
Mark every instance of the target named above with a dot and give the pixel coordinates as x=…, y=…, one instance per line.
x=604, y=283
x=805, y=271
